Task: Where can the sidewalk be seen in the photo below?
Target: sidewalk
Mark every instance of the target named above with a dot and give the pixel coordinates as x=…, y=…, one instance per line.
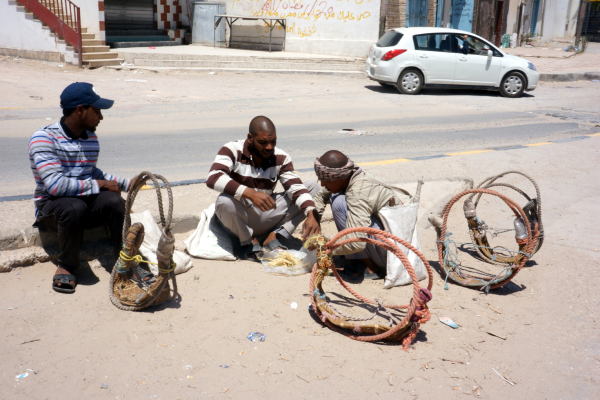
x=553, y=63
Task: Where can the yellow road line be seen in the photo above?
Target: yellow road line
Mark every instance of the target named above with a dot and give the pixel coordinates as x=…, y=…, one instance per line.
x=594, y=134
x=464, y=153
x=384, y=162
x=537, y=144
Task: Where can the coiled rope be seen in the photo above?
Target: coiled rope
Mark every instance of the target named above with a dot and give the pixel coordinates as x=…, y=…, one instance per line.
x=451, y=266
x=124, y=293
x=417, y=312
x=533, y=208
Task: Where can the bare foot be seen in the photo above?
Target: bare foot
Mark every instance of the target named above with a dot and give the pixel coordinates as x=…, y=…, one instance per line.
x=62, y=271
x=272, y=236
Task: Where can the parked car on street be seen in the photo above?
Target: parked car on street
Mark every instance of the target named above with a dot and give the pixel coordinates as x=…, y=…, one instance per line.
x=415, y=58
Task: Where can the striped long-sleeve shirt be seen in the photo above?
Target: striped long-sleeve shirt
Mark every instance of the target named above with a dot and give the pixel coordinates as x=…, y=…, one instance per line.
x=63, y=166
x=234, y=170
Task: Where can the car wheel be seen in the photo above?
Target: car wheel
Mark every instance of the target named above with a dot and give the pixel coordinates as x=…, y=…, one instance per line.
x=410, y=81
x=513, y=85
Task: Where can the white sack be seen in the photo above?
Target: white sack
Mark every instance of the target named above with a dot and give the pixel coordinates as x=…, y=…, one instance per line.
x=401, y=221
x=150, y=243
x=209, y=240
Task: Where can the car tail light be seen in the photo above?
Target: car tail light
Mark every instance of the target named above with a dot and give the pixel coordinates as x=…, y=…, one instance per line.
x=391, y=54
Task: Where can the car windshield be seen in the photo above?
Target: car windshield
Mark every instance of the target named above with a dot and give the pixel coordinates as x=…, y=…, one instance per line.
x=391, y=38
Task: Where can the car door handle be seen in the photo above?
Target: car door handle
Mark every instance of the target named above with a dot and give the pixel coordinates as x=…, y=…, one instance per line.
x=423, y=56
x=462, y=59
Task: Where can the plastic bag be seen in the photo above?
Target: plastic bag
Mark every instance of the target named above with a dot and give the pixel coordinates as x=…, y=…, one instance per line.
x=210, y=240
x=401, y=221
x=304, y=266
x=151, y=237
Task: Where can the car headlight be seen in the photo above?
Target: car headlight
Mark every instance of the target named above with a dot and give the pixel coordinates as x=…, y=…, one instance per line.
x=531, y=66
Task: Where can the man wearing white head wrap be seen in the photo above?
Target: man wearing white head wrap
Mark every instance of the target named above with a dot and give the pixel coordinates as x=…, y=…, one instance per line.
x=355, y=197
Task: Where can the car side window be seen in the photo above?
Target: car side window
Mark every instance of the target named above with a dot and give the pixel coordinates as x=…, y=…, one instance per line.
x=467, y=44
x=433, y=42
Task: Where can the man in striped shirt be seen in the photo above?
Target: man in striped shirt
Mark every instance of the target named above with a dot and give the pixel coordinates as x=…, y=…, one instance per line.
x=71, y=193
x=246, y=173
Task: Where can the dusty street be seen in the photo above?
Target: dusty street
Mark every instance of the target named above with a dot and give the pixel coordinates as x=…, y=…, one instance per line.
x=81, y=346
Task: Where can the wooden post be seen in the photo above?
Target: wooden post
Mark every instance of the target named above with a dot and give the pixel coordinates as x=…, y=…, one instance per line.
x=580, y=18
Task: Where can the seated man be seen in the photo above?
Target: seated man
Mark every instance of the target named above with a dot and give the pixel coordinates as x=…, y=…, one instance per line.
x=246, y=173
x=69, y=187
x=355, y=197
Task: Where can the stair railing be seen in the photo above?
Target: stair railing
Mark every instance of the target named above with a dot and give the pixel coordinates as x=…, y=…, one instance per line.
x=62, y=16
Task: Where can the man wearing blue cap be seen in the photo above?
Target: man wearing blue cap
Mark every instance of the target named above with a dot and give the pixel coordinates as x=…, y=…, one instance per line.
x=71, y=193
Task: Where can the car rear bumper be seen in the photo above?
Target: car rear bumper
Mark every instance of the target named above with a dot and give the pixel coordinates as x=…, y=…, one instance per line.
x=384, y=71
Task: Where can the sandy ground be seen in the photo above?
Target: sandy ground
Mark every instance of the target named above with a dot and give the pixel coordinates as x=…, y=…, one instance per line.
x=197, y=347
x=81, y=346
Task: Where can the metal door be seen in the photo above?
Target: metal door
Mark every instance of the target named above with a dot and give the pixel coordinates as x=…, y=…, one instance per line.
x=129, y=14
x=204, y=23
x=485, y=16
x=534, y=16
x=416, y=13
x=462, y=15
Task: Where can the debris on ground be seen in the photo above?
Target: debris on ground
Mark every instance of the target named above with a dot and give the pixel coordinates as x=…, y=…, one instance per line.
x=449, y=322
x=256, y=337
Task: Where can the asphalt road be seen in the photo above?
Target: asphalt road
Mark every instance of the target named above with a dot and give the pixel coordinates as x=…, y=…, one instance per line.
x=174, y=124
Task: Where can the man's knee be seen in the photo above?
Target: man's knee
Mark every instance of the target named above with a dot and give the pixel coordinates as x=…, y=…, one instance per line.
x=72, y=213
x=225, y=205
x=113, y=201
x=313, y=187
x=339, y=205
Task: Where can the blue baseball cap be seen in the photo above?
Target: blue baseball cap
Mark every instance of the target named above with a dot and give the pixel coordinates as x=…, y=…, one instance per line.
x=83, y=94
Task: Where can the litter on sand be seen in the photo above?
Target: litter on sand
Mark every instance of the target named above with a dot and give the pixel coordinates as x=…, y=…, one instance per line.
x=256, y=337
x=294, y=305
x=136, y=80
x=212, y=73
x=23, y=375
x=104, y=386
x=449, y=322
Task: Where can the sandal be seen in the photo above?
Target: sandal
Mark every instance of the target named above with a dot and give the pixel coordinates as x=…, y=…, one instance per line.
x=140, y=275
x=349, y=273
x=274, y=244
x=250, y=252
x=65, y=281
x=374, y=275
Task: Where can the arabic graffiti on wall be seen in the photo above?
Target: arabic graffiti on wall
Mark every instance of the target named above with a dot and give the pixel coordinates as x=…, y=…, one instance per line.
x=322, y=15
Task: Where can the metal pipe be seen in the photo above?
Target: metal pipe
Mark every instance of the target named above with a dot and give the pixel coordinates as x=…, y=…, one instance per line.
x=79, y=34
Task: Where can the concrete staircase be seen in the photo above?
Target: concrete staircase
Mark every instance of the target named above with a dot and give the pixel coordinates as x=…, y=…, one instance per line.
x=341, y=66
x=94, y=53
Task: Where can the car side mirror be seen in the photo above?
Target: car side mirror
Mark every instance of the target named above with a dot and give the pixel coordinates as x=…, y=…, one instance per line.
x=490, y=54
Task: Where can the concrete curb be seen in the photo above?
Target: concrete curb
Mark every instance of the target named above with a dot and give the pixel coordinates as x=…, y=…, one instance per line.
x=29, y=245
x=345, y=74
x=545, y=77
x=569, y=76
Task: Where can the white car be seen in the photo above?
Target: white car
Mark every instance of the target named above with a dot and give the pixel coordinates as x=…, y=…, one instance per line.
x=414, y=58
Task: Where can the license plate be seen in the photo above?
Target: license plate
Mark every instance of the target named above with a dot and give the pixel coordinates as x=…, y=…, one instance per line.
x=372, y=71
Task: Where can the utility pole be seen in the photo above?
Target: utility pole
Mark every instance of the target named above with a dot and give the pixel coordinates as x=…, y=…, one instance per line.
x=580, y=18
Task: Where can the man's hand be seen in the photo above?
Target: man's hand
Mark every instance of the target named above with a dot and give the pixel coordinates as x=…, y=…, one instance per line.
x=311, y=225
x=261, y=200
x=111, y=186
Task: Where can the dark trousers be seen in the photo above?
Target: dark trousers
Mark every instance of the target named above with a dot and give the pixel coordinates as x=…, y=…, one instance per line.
x=74, y=214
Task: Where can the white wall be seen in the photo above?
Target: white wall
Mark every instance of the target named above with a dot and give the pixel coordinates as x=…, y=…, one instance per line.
x=560, y=19
x=20, y=32
x=511, y=17
x=89, y=15
x=336, y=27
